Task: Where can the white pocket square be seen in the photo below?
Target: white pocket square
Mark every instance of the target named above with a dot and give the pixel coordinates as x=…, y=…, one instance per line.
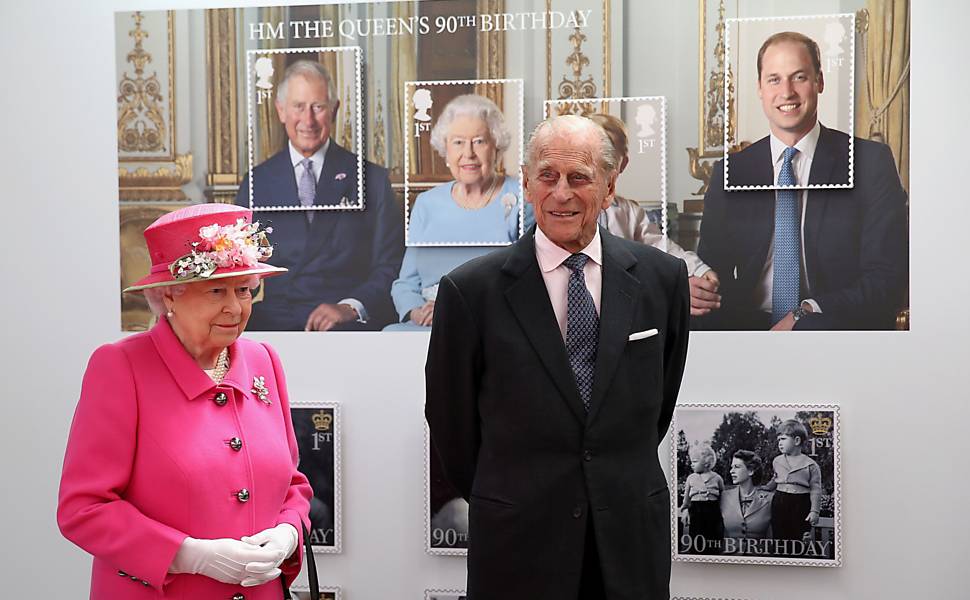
x=642, y=334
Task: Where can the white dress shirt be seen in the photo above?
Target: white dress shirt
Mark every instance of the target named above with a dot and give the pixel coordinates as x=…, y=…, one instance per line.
x=556, y=275
x=801, y=166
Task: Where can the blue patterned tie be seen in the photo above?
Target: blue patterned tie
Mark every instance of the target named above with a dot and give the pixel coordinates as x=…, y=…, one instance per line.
x=307, y=189
x=787, y=263
x=582, y=327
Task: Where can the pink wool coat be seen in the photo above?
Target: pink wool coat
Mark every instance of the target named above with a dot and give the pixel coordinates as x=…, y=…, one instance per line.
x=158, y=452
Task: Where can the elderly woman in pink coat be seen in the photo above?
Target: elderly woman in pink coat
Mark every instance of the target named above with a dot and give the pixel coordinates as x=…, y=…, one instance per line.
x=180, y=475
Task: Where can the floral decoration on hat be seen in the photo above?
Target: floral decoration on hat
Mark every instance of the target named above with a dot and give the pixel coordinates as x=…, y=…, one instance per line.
x=223, y=246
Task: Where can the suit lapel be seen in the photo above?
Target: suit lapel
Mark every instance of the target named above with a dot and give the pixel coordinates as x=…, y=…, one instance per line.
x=618, y=300
x=756, y=166
x=330, y=192
x=824, y=165
x=281, y=185
x=529, y=301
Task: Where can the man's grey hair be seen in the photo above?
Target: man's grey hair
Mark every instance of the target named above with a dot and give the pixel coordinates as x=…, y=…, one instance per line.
x=571, y=126
x=475, y=106
x=311, y=70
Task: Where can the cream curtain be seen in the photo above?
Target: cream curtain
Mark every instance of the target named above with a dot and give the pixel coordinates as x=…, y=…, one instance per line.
x=272, y=135
x=403, y=68
x=883, y=110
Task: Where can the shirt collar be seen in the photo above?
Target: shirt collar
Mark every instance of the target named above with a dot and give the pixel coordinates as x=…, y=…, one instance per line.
x=551, y=256
x=805, y=146
x=190, y=378
x=317, y=157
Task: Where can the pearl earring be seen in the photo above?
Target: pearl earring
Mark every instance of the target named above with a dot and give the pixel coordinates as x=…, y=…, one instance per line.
x=170, y=314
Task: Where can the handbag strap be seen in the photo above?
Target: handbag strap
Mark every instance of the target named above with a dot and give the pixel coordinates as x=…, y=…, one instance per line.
x=311, y=569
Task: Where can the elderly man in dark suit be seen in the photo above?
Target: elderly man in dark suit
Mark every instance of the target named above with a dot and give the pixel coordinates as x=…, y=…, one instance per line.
x=553, y=369
x=796, y=258
x=341, y=262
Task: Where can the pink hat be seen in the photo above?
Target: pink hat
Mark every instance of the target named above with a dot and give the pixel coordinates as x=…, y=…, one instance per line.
x=203, y=242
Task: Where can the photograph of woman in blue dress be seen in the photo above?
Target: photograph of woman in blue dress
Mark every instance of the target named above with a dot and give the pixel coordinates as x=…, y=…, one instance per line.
x=470, y=215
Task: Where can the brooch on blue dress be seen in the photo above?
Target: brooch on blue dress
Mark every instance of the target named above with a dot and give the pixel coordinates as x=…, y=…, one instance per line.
x=259, y=388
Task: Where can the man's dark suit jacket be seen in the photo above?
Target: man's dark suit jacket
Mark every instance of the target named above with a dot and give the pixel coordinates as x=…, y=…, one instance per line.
x=856, y=246
x=507, y=420
x=342, y=254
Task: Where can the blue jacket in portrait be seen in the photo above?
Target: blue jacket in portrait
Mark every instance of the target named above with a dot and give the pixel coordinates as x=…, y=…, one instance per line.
x=855, y=239
x=341, y=254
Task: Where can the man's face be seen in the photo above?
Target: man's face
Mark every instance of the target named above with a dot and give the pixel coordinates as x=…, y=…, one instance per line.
x=567, y=188
x=306, y=113
x=789, y=89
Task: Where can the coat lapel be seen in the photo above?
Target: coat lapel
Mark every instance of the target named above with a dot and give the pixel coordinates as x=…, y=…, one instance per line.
x=529, y=301
x=330, y=192
x=618, y=301
x=824, y=164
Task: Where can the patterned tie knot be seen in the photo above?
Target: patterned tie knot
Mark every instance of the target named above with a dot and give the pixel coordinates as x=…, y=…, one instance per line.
x=307, y=164
x=576, y=262
x=788, y=155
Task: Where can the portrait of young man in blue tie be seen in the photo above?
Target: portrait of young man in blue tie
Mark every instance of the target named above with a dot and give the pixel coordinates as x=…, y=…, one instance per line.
x=553, y=368
x=797, y=258
x=341, y=262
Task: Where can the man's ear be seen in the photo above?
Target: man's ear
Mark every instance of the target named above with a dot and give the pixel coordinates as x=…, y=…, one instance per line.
x=280, y=111
x=525, y=183
x=821, y=82
x=333, y=111
x=610, y=189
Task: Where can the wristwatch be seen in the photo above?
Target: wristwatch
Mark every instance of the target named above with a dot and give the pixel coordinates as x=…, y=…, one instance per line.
x=799, y=312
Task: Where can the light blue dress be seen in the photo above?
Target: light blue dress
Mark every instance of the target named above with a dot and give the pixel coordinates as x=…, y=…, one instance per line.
x=437, y=218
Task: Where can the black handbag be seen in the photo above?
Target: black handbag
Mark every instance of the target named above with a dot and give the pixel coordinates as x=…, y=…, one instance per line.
x=311, y=570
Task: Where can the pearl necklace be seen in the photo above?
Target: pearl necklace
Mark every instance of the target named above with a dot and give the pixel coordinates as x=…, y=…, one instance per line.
x=218, y=373
x=486, y=197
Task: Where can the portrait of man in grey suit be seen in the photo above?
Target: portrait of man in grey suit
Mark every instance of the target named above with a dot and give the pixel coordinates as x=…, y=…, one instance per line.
x=553, y=368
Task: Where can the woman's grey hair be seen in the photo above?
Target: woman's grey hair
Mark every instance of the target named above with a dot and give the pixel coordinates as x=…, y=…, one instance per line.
x=156, y=296
x=571, y=126
x=311, y=70
x=471, y=105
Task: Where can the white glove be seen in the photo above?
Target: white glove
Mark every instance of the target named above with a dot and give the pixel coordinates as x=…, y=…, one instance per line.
x=223, y=559
x=282, y=538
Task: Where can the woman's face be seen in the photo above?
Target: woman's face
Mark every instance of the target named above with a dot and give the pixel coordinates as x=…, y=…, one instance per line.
x=739, y=471
x=210, y=315
x=470, y=150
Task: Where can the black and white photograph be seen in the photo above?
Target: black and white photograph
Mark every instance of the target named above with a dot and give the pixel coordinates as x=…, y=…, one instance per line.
x=462, y=151
x=756, y=484
x=305, y=144
x=790, y=83
x=446, y=512
x=444, y=595
x=301, y=592
x=317, y=430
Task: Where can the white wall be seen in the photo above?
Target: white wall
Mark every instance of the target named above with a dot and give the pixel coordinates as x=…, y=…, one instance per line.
x=904, y=402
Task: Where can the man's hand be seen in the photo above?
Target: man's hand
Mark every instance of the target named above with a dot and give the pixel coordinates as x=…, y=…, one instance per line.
x=787, y=322
x=326, y=316
x=703, y=294
x=423, y=314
